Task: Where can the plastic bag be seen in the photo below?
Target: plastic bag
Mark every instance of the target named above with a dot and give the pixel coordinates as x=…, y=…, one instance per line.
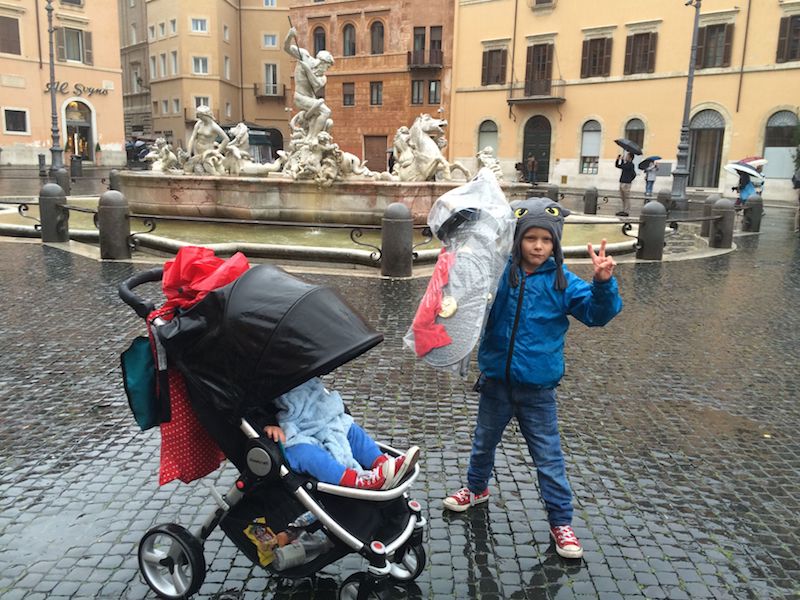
x=476, y=227
x=139, y=379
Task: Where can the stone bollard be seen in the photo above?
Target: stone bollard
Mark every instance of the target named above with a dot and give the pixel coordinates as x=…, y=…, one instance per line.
x=114, y=225
x=551, y=191
x=590, y=201
x=664, y=197
x=652, y=223
x=55, y=218
x=720, y=234
x=708, y=208
x=113, y=180
x=42, y=166
x=396, y=241
x=751, y=215
x=62, y=179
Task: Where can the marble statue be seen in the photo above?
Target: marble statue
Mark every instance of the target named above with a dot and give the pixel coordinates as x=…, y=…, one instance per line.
x=418, y=152
x=163, y=158
x=205, y=153
x=486, y=158
x=309, y=81
x=235, y=152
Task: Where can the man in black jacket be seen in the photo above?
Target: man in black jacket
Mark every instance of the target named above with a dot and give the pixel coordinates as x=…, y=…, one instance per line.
x=626, y=177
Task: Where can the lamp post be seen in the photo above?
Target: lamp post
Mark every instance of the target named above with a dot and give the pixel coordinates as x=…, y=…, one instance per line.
x=680, y=176
x=56, y=161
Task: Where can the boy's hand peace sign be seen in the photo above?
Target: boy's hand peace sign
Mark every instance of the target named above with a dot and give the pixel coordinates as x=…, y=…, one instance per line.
x=603, y=265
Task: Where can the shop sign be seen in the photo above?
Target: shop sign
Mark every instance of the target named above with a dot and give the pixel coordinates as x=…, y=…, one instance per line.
x=78, y=89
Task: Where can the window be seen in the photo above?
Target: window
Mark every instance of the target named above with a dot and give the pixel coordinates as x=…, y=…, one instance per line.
x=151, y=32
x=271, y=79
x=269, y=3
x=173, y=26
x=539, y=70
x=136, y=79
x=131, y=34
x=162, y=58
x=376, y=38
x=714, y=46
x=544, y=2
x=164, y=107
x=200, y=65
x=15, y=120
x=174, y=56
x=780, y=144
x=74, y=45
x=596, y=58
x=201, y=101
x=349, y=40
x=176, y=105
x=789, y=39
x=155, y=107
x=493, y=69
x=640, y=53
x=436, y=45
x=228, y=110
x=417, y=91
x=162, y=29
x=73, y=2
x=153, y=72
x=487, y=135
x=132, y=3
x=319, y=40
x=226, y=63
x=634, y=131
x=590, y=147
x=348, y=94
x=376, y=93
x=200, y=26
x=434, y=91
x=226, y=33
x=9, y=36
x=270, y=40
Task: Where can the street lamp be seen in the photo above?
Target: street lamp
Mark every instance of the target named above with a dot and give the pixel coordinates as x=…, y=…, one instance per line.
x=680, y=176
x=56, y=160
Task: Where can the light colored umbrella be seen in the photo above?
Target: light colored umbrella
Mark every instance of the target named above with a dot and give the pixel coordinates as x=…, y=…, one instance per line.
x=754, y=161
x=735, y=168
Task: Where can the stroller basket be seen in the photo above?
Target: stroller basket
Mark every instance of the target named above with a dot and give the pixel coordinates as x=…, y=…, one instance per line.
x=249, y=341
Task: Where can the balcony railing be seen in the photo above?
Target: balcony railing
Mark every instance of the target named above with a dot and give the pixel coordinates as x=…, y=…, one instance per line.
x=269, y=90
x=416, y=59
x=538, y=91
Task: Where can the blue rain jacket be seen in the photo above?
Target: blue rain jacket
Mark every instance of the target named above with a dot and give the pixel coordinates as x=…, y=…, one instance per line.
x=523, y=342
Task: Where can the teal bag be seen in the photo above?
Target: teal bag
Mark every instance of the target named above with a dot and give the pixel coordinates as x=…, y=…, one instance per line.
x=139, y=379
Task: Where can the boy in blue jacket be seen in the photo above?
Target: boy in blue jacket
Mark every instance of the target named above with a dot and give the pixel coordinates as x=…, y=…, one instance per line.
x=521, y=358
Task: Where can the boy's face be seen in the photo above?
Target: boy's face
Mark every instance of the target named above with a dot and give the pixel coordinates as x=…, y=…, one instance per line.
x=536, y=247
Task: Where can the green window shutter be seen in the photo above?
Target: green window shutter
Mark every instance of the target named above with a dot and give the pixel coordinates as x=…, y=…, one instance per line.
x=607, y=57
x=726, y=55
x=628, y=68
x=783, y=40
x=88, y=54
x=61, y=44
x=585, y=60
x=701, y=48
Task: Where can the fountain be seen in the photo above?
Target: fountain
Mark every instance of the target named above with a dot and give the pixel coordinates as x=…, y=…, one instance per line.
x=312, y=180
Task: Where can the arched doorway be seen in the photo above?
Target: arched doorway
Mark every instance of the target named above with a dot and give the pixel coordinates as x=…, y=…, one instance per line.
x=706, y=129
x=80, y=137
x=537, y=142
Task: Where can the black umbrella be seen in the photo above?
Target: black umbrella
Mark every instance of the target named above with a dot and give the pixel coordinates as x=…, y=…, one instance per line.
x=628, y=145
x=646, y=162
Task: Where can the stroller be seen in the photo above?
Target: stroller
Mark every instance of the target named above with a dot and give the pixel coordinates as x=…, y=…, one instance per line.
x=254, y=339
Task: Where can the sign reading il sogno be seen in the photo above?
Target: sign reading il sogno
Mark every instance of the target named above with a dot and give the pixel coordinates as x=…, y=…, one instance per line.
x=78, y=89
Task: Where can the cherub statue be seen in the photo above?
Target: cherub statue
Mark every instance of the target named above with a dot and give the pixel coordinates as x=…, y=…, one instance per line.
x=162, y=156
x=235, y=153
x=487, y=159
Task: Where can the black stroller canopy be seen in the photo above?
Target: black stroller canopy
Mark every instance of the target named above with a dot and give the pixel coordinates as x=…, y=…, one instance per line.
x=260, y=336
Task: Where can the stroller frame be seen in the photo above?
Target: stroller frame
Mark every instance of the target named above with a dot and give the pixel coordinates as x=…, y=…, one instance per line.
x=179, y=571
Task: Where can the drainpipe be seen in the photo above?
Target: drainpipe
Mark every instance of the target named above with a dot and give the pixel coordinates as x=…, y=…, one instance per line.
x=513, y=54
x=38, y=34
x=744, y=50
x=241, y=63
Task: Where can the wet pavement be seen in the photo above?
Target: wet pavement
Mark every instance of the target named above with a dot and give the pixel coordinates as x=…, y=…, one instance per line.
x=679, y=422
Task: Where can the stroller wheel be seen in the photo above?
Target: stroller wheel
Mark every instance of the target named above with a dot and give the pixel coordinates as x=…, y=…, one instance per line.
x=350, y=587
x=410, y=566
x=171, y=561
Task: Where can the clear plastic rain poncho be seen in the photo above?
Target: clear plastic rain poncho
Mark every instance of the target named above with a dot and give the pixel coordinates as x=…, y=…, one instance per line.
x=476, y=227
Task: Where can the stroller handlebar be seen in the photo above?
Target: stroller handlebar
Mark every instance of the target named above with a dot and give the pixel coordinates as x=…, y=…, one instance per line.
x=139, y=305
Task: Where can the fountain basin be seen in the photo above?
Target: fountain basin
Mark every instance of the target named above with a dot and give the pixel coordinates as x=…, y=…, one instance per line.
x=279, y=198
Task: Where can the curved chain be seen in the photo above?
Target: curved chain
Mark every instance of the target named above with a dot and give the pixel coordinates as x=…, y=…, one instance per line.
x=374, y=256
x=427, y=236
x=151, y=226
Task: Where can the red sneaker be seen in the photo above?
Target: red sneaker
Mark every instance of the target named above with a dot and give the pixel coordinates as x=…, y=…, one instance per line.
x=464, y=499
x=402, y=465
x=367, y=480
x=567, y=544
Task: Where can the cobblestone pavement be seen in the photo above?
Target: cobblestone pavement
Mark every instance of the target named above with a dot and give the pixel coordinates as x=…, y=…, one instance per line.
x=679, y=422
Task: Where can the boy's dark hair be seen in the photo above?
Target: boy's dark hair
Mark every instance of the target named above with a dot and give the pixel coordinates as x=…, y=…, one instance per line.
x=545, y=214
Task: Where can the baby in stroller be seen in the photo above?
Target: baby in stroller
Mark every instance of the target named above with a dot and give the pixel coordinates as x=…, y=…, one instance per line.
x=322, y=440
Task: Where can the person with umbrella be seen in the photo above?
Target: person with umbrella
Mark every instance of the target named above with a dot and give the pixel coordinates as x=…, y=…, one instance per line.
x=627, y=175
x=650, y=168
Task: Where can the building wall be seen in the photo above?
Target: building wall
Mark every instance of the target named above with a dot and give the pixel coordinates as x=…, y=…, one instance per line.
x=353, y=123
x=745, y=94
x=134, y=55
x=96, y=86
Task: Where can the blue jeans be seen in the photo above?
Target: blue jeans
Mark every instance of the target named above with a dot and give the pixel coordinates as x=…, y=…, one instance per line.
x=318, y=462
x=535, y=410
x=648, y=187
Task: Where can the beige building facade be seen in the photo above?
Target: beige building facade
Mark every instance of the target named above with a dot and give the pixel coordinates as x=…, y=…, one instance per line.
x=88, y=81
x=224, y=54
x=392, y=62
x=557, y=80
x=134, y=55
